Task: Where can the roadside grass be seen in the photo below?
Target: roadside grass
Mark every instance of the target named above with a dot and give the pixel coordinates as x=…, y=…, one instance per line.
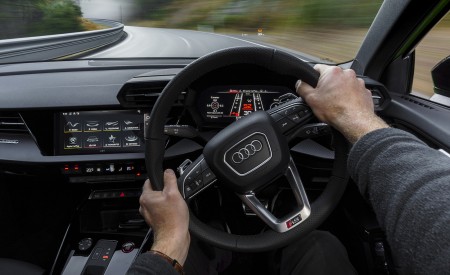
x=91, y=26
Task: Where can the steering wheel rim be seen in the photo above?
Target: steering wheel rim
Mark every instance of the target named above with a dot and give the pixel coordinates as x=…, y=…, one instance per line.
x=281, y=63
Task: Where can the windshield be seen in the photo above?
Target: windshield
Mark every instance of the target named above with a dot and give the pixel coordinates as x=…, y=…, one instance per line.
x=325, y=29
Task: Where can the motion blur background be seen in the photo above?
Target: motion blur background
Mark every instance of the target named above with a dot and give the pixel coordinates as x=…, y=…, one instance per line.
x=329, y=29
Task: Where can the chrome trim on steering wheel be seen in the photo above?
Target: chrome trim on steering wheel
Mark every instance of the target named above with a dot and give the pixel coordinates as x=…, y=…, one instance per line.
x=291, y=220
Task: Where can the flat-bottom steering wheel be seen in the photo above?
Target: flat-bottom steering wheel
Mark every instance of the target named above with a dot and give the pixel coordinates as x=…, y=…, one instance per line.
x=250, y=153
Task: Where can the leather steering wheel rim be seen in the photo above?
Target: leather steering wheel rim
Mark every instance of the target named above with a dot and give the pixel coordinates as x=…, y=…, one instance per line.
x=281, y=63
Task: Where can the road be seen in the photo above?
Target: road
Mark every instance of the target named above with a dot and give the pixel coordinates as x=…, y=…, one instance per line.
x=153, y=42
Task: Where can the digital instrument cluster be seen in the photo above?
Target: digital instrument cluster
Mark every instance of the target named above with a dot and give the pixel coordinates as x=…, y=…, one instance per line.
x=225, y=104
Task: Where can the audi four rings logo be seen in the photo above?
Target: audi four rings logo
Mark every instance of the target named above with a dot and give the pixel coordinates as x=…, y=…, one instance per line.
x=247, y=151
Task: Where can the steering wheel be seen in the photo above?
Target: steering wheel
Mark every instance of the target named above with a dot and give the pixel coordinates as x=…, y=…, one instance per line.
x=250, y=153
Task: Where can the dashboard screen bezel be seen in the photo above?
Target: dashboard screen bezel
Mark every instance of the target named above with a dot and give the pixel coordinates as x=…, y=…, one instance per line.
x=60, y=135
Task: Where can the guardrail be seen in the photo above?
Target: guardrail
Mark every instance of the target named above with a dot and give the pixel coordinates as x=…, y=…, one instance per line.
x=50, y=47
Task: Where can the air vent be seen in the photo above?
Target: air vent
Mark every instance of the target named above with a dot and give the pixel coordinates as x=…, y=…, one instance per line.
x=11, y=123
x=144, y=96
x=417, y=102
x=140, y=94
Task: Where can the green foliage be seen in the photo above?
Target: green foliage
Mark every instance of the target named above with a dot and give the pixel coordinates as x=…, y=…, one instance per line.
x=342, y=13
x=57, y=16
x=23, y=18
x=251, y=14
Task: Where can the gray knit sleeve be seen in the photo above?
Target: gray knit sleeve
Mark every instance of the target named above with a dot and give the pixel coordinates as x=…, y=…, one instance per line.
x=408, y=184
x=150, y=264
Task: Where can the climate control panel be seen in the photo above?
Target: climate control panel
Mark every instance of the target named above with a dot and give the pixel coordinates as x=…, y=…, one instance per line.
x=104, y=171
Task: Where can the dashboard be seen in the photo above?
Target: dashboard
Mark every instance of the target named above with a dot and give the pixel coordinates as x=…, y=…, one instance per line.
x=86, y=119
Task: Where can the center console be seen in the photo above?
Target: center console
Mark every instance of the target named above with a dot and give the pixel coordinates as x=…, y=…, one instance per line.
x=106, y=235
x=101, y=152
x=104, y=151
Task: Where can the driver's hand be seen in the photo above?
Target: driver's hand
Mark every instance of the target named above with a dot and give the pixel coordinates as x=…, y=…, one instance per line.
x=167, y=213
x=342, y=100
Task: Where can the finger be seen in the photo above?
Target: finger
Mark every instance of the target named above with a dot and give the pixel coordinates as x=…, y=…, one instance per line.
x=361, y=82
x=321, y=68
x=147, y=186
x=350, y=73
x=304, y=89
x=170, y=180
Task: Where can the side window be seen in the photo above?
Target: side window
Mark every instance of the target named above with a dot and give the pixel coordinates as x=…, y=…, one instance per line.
x=430, y=51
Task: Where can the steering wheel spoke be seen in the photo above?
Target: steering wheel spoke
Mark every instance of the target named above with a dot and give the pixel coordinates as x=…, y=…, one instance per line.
x=291, y=115
x=291, y=220
x=293, y=119
x=195, y=178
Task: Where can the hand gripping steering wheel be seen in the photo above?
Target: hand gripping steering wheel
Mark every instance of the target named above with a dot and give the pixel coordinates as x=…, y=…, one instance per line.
x=250, y=153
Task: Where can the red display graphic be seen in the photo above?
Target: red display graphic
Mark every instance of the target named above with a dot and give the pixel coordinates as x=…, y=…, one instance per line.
x=247, y=107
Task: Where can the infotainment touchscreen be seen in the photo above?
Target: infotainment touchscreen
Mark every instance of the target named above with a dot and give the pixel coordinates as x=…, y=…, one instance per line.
x=93, y=132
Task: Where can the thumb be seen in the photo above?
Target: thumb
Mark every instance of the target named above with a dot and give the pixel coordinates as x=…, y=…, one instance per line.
x=170, y=180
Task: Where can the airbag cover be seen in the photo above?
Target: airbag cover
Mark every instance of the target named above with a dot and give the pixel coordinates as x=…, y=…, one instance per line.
x=249, y=153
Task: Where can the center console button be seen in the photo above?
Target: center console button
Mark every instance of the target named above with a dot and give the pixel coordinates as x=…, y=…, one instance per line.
x=97, y=253
x=128, y=247
x=85, y=244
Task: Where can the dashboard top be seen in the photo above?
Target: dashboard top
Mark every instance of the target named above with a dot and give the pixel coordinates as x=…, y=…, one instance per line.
x=79, y=84
x=43, y=94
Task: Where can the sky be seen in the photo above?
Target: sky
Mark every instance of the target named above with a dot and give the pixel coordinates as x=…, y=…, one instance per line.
x=119, y=10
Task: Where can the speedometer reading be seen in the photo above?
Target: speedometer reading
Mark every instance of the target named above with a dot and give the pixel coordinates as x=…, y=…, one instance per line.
x=225, y=104
x=247, y=101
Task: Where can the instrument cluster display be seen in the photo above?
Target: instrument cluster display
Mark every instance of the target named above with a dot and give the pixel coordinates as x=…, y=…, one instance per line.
x=228, y=103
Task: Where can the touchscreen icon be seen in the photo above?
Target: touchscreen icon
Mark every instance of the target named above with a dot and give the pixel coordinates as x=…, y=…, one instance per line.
x=131, y=138
x=131, y=141
x=129, y=125
x=112, y=141
x=72, y=127
x=72, y=142
x=92, y=126
x=92, y=139
x=92, y=142
x=112, y=126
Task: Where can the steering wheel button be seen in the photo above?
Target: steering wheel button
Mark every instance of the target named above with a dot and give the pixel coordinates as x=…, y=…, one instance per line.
x=293, y=109
x=197, y=171
x=304, y=112
x=277, y=116
x=188, y=191
x=198, y=182
x=208, y=176
x=285, y=124
x=295, y=118
x=189, y=179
